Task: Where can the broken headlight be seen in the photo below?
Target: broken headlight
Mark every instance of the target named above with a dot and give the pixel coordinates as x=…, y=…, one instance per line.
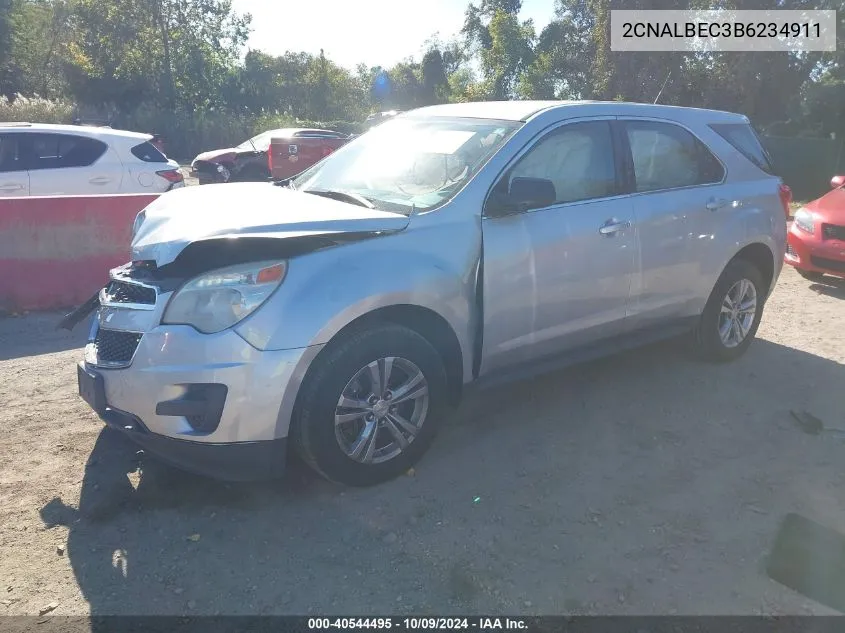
x=219, y=299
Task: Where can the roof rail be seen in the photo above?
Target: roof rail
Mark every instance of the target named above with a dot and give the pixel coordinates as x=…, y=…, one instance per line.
x=15, y=124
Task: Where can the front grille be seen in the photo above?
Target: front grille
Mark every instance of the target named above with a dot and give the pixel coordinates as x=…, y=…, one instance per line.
x=123, y=292
x=833, y=232
x=114, y=347
x=829, y=264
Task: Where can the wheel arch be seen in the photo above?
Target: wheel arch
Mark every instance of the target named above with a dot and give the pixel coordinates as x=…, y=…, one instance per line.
x=433, y=327
x=762, y=258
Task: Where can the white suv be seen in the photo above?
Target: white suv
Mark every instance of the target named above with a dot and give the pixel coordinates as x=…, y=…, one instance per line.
x=54, y=160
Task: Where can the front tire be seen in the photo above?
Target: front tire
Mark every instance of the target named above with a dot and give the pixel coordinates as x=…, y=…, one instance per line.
x=732, y=315
x=371, y=407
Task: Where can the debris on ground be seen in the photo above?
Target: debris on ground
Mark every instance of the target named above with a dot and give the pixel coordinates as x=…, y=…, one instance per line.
x=46, y=609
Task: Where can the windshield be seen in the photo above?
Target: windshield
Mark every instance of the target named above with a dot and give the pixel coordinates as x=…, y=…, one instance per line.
x=409, y=164
x=262, y=141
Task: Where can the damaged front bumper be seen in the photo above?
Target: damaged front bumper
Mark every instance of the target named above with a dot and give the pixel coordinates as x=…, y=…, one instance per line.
x=210, y=172
x=234, y=461
x=208, y=403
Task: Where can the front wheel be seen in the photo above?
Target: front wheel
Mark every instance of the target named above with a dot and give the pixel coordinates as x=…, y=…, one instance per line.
x=732, y=315
x=371, y=407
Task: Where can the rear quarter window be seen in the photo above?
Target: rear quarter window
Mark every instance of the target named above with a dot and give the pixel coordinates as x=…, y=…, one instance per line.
x=148, y=153
x=745, y=140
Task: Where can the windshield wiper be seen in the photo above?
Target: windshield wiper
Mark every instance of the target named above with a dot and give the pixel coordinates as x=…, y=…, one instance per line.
x=343, y=196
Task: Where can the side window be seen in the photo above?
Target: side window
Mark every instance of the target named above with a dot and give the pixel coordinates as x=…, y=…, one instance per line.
x=667, y=156
x=578, y=160
x=11, y=158
x=55, y=151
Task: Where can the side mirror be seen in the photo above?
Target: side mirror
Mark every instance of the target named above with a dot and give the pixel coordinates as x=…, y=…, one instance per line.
x=837, y=181
x=524, y=194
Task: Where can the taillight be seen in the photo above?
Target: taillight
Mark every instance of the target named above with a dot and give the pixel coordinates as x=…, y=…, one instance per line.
x=270, y=159
x=785, y=197
x=171, y=175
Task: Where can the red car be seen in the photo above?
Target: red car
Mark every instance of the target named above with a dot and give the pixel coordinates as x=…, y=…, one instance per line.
x=293, y=151
x=816, y=238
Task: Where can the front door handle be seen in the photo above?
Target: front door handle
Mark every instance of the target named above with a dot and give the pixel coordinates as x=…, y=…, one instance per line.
x=11, y=187
x=613, y=226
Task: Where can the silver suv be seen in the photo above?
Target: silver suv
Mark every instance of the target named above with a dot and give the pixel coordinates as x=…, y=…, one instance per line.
x=341, y=314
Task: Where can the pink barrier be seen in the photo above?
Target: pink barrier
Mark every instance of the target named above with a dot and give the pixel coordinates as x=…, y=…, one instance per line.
x=55, y=252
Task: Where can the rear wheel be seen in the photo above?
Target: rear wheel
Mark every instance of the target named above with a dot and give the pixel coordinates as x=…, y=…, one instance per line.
x=732, y=315
x=371, y=407
x=810, y=275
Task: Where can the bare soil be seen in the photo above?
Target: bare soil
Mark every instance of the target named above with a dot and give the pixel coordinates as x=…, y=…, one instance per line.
x=647, y=483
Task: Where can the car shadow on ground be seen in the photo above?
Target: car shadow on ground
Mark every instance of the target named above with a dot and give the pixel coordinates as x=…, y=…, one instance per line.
x=830, y=286
x=509, y=512
x=17, y=340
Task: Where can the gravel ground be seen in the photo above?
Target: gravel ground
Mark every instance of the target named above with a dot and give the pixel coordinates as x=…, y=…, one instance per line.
x=647, y=483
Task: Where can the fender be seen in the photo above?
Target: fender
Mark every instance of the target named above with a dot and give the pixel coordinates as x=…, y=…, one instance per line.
x=327, y=290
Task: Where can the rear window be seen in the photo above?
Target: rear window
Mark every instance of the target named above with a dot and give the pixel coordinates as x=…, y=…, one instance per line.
x=148, y=153
x=57, y=151
x=745, y=140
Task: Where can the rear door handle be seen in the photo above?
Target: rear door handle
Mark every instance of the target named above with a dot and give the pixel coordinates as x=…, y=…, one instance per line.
x=613, y=226
x=100, y=180
x=715, y=204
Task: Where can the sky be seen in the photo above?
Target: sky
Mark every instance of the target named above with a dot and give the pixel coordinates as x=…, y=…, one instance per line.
x=355, y=32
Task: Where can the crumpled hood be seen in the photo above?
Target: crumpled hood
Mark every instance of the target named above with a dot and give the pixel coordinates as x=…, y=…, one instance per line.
x=249, y=209
x=216, y=154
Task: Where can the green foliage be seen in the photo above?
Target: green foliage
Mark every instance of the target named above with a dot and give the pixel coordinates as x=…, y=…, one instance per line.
x=175, y=53
x=35, y=109
x=505, y=46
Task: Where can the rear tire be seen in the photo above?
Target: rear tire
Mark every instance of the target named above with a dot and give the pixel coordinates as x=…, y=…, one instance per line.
x=810, y=275
x=358, y=445
x=727, y=326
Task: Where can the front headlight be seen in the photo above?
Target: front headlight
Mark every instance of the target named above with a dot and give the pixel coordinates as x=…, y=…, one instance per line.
x=221, y=298
x=139, y=220
x=804, y=220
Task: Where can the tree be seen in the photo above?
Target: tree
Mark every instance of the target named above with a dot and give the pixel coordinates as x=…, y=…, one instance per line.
x=177, y=53
x=7, y=74
x=504, y=45
x=563, y=56
x=435, y=83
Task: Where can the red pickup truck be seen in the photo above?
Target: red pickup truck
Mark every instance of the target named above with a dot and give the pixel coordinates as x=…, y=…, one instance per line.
x=294, y=153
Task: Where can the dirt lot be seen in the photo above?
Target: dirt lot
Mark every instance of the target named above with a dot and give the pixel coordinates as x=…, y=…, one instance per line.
x=647, y=483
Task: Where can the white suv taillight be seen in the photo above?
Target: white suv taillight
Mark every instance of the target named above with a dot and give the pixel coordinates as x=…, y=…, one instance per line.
x=172, y=176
